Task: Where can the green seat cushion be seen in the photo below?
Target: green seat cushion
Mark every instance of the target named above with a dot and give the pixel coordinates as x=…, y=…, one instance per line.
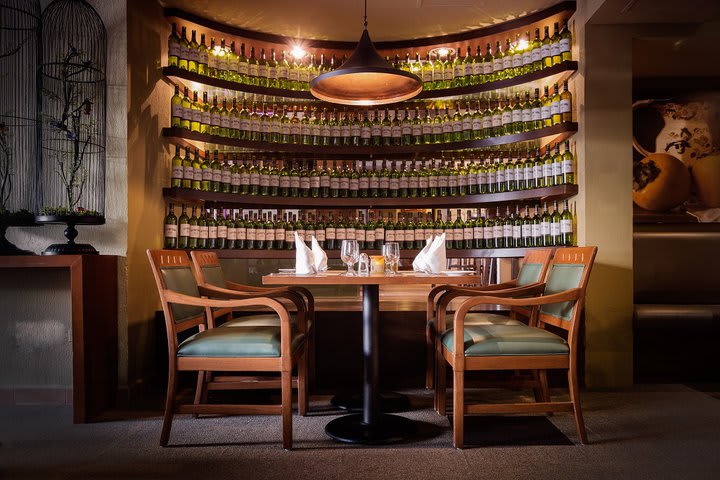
x=492, y=340
x=529, y=273
x=260, y=320
x=562, y=277
x=237, y=342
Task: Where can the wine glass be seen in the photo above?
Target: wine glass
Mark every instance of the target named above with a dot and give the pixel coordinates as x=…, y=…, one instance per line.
x=349, y=254
x=391, y=252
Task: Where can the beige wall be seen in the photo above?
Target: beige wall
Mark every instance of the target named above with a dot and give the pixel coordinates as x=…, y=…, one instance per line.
x=147, y=174
x=35, y=346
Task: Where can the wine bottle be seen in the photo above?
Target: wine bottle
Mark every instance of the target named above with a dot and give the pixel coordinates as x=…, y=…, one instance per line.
x=201, y=174
x=526, y=229
x=176, y=109
x=536, y=228
x=566, y=104
x=216, y=168
x=566, y=226
x=184, y=229
x=545, y=109
x=221, y=230
x=545, y=221
x=546, y=49
x=536, y=52
x=176, y=172
x=184, y=46
x=566, y=43
x=555, y=233
x=202, y=54
x=194, y=231
x=240, y=232
x=555, y=51
x=499, y=230
x=517, y=228
x=170, y=230
x=231, y=226
x=203, y=233
x=508, y=70
x=568, y=165
x=479, y=231
x=205, y=118
x=497, y=65
x=195, y=113
x=508, y=228
x=555, y=113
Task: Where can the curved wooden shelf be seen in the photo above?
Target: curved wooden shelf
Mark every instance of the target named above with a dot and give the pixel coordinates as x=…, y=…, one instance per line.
x=404, y=253
x=556, y=74
x=554, y=134
x=183, y=195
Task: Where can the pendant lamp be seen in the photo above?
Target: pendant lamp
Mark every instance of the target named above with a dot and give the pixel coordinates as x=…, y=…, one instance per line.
x=365, y=78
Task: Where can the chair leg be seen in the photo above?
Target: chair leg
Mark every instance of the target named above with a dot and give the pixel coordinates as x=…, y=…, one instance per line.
x=286, y=388
x=429, y=358
x=544, y=388
x=458, y=408
x=575, y=399
x=199, y=390
x=169, y=406
x=303, y=398
x=440, y=384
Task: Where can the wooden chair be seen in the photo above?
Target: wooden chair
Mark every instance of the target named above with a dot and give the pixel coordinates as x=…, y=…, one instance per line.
x=212, y=283
x=520, y=347
x=532, y=272
x=249, y=349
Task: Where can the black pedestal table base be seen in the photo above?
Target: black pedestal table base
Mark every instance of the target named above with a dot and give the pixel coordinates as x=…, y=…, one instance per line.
x=389, y=402
x=385, y=429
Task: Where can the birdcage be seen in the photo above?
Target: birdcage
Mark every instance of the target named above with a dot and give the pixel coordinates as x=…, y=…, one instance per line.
x=19, y=113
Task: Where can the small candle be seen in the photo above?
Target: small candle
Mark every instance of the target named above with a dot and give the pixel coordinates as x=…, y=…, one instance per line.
x=377, y=264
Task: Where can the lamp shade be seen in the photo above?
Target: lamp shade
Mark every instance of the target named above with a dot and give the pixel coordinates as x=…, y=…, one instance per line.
x=365, y=79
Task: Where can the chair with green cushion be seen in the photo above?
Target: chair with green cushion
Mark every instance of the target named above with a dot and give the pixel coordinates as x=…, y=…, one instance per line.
x=519, y=347
x=250, y=349
x=529, y=281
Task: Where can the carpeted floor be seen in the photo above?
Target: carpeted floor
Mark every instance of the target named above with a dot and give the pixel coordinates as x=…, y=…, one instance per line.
x=651, y=432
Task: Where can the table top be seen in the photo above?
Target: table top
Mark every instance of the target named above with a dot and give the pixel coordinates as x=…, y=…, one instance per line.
x=337, y=277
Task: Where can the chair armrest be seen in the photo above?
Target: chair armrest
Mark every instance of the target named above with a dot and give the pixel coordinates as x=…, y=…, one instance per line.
x=433, y=299
x=304, y=292
x=459, y=325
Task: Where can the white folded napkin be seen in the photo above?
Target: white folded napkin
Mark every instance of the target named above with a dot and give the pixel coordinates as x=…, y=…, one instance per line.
x=304, y=257
x=432, y=258
x=320, y=257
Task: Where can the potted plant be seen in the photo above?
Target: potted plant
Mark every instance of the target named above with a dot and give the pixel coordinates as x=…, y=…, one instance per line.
x=72, y=128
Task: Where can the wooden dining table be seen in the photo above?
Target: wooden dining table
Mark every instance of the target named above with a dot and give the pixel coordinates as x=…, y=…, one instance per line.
x=371, y=427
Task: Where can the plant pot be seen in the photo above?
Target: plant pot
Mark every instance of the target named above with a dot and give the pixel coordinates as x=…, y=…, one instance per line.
x=70, y=248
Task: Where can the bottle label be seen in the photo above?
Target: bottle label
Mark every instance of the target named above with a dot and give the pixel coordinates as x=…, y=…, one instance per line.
x=232, y=233
x=527, y=57
x=394, y=184
x=510, y=175
x=437, y=74
x=555, y=49
x=491, y=178
x=497, y=120
x=320, y=235
x=244, y=179
x=294, y=182
x=304, y=183
x=423, y=183
x=517, y=232
x=500, y=176
x=344, y=183
x=222, y=231
x=462, y=180
x=564, y=106
x=315, y=182
x=254, y=179
x=517, y=116
x=185, y=230
x=264, y=180
x=409, y=235
x=176, y=110
x=447, y=127
x=225, y=177
x=354, y=184
x=564, y=45
x=212, y=61
x=203, y=232
x=526, y=230
x=340, y=233
x=244, y=124
x=196, y=115
x=365, y=132
x=281, y=71
x=171, y=231
x=177, y=171
x=385, y=131
x=380, y=234
x=457, y=126
x=554, y=108
x=235, y=123
x=488, y=67
x=207, y=174
x=217, y=176
x=350, y=233
x=334, y=183
x=427, y=75
x=294, y=129
x=303, y=76
x=419, y=234
x=477, y=233
x=507, y=62
x=467, y=233
x=194, y=231
x=526, y=115
x=482, y=178
x=478, y=68
x=345, y=131
x=517, y=60
x=222, y=63
x=536, y=114
x=212, y=231
x=566, y=226
x=459, y=70
x=260, y=234
x=557, y=168
x=545, y=112
x=241, y=233
x=242, y=68
x=547, y=170
x=545, y=227
x=270, y=235
x=360, y=235
x=486, y=122
x=545, y=51
x=183, y=51
x=507, y=230
x=537, y=172
x=498, y=231
x=535, y=229
x=290, y=236
x=399, y=235
x=567, y=166
x=497, y=65
x=215, y=119
x=174, y=49
x=274, y=180
x=448, y=73
x=555, y=229
x=528, y=173
x=536, y=54
x=369, y=235
x=292, y=74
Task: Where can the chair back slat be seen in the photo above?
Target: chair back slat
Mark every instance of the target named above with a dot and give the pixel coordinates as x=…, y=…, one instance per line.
x=207, y=269
x=534, y=267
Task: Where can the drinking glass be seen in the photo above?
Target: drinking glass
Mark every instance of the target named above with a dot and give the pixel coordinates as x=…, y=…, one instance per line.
x=349, y=254
x=391, y=252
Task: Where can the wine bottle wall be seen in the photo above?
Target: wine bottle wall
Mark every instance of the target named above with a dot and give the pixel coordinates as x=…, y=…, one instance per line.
x=227, y=228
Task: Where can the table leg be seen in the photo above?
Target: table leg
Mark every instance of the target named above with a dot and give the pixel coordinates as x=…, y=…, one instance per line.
x=371, y=427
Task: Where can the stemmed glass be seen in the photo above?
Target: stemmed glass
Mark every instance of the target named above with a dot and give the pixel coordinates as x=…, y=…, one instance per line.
x=350, y=254
x=391, y=252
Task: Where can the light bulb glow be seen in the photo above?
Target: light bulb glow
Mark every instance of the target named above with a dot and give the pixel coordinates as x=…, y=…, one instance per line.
x=522, y=44
x=298, y=52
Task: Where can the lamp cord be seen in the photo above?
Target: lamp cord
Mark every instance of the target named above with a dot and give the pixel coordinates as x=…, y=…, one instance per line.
x=365, y=17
